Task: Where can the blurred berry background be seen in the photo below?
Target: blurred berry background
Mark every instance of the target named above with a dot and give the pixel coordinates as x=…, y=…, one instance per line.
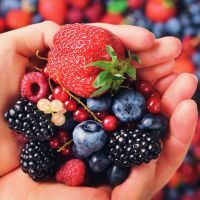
x=180, y=18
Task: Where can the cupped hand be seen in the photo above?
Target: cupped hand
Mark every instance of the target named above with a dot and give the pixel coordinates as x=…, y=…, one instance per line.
x=157, y=55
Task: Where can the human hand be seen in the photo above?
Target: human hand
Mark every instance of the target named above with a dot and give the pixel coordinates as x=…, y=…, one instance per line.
x=158, y=67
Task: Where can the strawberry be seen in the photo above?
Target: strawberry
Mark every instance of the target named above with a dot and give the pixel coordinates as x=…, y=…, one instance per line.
x=17, y=19
x=79, y=3
x=112, y=18
x=2, y=25
x=72, y=173
x=82, y=56
x=160, y=10
x=54, y=10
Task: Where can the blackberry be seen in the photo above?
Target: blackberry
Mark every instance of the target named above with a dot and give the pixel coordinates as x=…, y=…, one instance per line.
x=26, y=119
x=38, y=160
x=129, y=148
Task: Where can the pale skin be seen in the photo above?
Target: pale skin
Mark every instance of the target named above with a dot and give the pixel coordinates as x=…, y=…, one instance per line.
x=157, y=56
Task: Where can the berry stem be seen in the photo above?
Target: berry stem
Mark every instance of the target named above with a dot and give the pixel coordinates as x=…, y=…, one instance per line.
x=76, y=99
x=65, y=145
x=50, y=85
x=40, y=57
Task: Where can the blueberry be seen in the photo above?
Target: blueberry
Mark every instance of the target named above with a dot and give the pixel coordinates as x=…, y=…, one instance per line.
x=79, y=153
x=196, y=19
x=159, y=30
x=189, y=31
x=117, y=175
x=173, y=26
x=196, y=58
x=194, y=9
x=128, y=105
x=144, y=22
x=100, y=103
x=9, y=5
x=98, y=162
x=89, y=136
x=154, y=122
x=185, y=20
x=37, y=18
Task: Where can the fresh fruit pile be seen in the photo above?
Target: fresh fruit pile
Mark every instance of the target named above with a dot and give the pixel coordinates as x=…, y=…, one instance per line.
x=84, y=115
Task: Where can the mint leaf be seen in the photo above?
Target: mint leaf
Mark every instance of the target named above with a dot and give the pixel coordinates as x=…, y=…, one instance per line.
x=101, y=79
x=136, y=58
x=100, y=64
x=131, y=71
x=112, y=53
x=102, y=89
x=118, y=77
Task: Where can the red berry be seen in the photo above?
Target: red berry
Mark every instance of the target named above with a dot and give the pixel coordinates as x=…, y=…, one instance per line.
x=110, y=123
x=54, y=10
x=2, y=25
x=156, y=94
x=34, y=86
x=72, y=173
x=54, y=143
x=17, y=19
x=74, y=15
x=79, y=3
x=70, y=105
x=112, y=18
x=154, y=105
x=50, y=97
x=63, y=136
x=101, y=115
x=144, y=87
x=45, y=72
x=66, y=152
x=135, y=4
x=81, y=115
x=60, y=94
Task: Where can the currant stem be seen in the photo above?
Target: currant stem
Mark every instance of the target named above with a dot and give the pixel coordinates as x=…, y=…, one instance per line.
x=65, y=145
x=50, y=85
x=40, y=57
x=80, y=102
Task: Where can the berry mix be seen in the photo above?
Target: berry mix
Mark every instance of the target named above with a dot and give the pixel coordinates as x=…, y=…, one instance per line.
x=83, y=119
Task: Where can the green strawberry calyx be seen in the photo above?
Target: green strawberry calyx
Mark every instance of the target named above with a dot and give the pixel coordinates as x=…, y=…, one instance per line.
x=169, y=3
x=114, y=72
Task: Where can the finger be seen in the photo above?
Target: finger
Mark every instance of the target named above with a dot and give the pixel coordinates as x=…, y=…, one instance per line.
x=106, y=188
x=182, y=129
x=162, y=84
x=163, y=50
x=35, y=37
x=156, y=72
x=139, y=184
x=134, y=38
x=181, y=89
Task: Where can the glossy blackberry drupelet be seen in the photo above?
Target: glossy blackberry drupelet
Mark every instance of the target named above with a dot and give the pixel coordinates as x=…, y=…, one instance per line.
x=129, y=148
x=38, y=160
x=26, y=119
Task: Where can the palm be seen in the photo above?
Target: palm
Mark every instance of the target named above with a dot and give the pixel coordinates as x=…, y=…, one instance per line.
x=143, y=181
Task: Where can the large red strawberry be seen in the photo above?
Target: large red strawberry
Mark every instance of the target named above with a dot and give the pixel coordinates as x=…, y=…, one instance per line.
x=76, y=46
x=160, y=10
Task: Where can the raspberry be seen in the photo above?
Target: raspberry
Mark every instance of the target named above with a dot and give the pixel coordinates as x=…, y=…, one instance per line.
x=72, y=173
x=129, y=148
x=38, y=160
x=34, y=86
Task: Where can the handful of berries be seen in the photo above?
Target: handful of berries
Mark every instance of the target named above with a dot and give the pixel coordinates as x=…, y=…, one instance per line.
x=84, y=115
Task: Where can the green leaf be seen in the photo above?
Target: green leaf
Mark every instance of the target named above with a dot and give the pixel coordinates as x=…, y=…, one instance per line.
x=102, y=89
x=117, y=6
x=118, y=77
x=100, y=64
x=111, y=52
x=136, y=58
x=101, y=79
x=169, y=3
x=131, y=71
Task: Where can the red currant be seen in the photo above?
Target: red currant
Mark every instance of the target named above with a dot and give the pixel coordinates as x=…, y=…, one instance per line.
x=63, y=137
x=81, y=115
x=101, y=115
x=45, y=72
x=154, y=104
x=70, y=105
x=54, y=143
x=144, y=87
x=50, y=97
x=60, y=94
x=156, y=94
x=110, y=123
x=66, y=151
